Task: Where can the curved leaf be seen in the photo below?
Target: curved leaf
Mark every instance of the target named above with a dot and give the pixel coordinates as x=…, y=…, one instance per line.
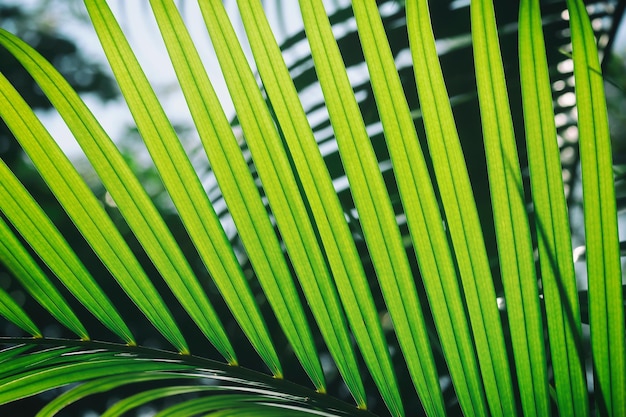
x=296, y=175
x=172, y=163
x=19, y=206
x=14, y=313
x=130, y=197
x=101, y=366
x=108, y=383
x=86, y=213
x=25, y=269
x=40, y=380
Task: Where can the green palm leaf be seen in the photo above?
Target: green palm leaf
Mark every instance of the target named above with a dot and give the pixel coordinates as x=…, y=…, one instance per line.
x=340, y=249
x=87, y=214
x=404, y=280
x=15, y=314
x=606, y=303
x=24, y=267
x=512, y=228
x=554, y=238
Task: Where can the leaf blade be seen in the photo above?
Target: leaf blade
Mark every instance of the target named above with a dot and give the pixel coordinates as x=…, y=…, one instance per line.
x=25, y=269
x=130, y=197
x=339, y=245
x=283, y=194
x=86, y=213
x=606, y=305
x=10, y=310
x=554, y=238
x=425, y=223
x=372, y=201
x=515, y=251
x=178, y=175
x=22, y=210
x=459, y=207
x=231, y=171
x=106, y=384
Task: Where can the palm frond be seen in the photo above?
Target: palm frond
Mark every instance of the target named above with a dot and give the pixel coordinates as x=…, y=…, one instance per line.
x=404, y=264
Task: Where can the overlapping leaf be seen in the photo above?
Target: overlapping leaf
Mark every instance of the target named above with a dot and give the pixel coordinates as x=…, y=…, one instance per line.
x=281, y=189
x=324, y=254
x=90, y=218
x=554, y=239
x=606, y=302
x=339, y=246
x=515, y=251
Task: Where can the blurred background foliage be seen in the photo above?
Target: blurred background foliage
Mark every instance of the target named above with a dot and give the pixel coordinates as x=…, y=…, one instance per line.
x=451, y=24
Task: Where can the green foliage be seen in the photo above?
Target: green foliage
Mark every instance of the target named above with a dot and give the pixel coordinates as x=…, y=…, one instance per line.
x=304, y=242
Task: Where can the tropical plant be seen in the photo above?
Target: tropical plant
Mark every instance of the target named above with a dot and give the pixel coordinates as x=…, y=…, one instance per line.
x=304, y=242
